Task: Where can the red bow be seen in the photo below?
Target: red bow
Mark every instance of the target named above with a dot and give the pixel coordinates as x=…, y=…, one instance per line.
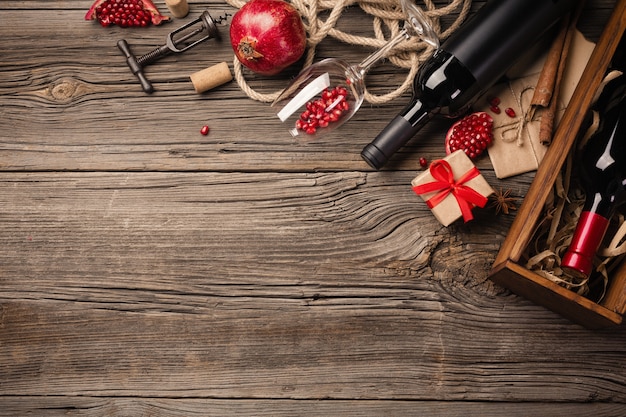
x=444, y=182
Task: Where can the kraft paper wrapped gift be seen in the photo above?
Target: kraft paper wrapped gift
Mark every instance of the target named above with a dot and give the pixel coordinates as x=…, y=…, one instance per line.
x=516, y=147
x=452, y=187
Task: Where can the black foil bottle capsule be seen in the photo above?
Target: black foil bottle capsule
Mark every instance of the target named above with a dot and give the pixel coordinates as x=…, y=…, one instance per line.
x=470, y=61
x=603, y=177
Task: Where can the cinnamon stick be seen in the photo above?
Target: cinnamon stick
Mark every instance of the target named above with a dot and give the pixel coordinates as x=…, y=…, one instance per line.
x=550, y=109
x=547, y=78
x=548, y=114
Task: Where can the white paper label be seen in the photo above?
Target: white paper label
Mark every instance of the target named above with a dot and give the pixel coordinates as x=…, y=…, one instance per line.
x=307, y=93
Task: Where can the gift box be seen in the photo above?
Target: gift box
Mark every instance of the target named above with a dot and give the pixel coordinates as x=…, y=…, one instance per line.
x=452, y=187
x=509, y=268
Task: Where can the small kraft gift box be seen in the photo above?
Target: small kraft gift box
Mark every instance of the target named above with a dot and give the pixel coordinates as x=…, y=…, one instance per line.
x=509, y=268
x=452, y=187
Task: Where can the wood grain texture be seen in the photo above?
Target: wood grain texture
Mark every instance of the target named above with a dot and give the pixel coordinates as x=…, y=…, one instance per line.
x=146, y=269
x=94, y=406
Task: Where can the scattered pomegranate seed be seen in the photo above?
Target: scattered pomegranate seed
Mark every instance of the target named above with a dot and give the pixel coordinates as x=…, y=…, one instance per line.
x=495, y=109
x=323, y=111
x=423, y=162
x=204, y=130
x=494, y=101
x=510, y=112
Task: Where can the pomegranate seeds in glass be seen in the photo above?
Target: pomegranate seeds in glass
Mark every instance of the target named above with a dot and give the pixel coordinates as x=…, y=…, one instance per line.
x=327, y=109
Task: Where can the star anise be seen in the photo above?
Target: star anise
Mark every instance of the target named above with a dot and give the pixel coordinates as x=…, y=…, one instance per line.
x=502, y=201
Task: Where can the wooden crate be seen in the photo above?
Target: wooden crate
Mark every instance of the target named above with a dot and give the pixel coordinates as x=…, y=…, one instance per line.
x=507, y=271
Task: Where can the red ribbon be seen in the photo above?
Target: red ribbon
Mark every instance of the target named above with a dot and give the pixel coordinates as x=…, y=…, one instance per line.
x=444, y=182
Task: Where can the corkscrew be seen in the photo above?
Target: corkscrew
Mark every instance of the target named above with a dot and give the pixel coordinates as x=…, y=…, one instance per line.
x=179, y=40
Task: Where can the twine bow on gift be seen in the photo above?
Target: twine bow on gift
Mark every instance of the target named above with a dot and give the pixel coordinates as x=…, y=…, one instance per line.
x=445, y=184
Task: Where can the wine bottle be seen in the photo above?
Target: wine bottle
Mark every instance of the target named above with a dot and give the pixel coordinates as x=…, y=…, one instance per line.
x=603, y=178
x=470, y=61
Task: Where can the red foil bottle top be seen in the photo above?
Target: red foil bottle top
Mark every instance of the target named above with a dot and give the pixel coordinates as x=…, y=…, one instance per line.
x=585, y=243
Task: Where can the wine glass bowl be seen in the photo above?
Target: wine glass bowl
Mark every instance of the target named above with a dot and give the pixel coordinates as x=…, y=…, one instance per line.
x=321, y=98
x=328, y=93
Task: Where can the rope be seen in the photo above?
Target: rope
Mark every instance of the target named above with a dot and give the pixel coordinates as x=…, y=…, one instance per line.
x=386, y=13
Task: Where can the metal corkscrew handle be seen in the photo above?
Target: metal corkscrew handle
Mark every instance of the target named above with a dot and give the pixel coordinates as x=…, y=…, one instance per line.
x=172, y=45
x=134, y=65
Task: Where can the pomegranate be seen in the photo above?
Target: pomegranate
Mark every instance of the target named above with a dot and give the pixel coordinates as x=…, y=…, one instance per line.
x=473, y=134
x=125, y=13
x=267, y=36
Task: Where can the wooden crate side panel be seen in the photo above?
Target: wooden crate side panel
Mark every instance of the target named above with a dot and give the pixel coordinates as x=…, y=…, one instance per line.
x=615, y=299
x=554, y=297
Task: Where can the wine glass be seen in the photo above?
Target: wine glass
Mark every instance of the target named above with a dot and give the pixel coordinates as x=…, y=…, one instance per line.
x=328, y=93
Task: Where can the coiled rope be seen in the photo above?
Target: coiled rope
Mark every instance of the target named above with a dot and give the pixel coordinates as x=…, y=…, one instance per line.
x=408, y=54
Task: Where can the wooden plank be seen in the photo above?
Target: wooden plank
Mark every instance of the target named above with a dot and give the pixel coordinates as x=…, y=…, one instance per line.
x=85, y=110
x=370, y=347
x=159, y=407
x=296, y=221
x=295, y=286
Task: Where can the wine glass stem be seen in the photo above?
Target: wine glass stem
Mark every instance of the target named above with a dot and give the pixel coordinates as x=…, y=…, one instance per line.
x=365, y=65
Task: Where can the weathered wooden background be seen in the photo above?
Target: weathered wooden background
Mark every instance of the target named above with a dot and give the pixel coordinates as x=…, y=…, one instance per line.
x=147, y=270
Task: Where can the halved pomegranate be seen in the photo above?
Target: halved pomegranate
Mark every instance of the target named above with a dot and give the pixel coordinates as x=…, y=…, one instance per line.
x=125, y=13
x=473, y=134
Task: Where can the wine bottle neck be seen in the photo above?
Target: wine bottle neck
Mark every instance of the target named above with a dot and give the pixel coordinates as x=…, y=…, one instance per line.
x=598, y=204
x=396, y=134
x=586, y=240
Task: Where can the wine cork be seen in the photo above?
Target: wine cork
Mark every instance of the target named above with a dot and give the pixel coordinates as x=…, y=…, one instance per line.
x=211, y=77
x=179, y=8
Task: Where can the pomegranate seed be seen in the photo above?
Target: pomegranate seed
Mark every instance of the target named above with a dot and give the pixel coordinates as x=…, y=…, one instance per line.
x=494, y=101
x=510, y=112
x=423, y=162
x=323, y=111
x=205, y=130
x=495, y=109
